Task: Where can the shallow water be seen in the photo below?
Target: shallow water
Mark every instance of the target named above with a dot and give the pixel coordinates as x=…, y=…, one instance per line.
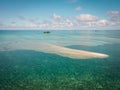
x=33, y=70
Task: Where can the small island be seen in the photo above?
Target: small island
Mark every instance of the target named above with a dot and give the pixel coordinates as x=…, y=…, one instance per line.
x=46, y=32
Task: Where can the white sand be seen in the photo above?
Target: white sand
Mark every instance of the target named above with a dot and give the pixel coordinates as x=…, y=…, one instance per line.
x=72, y=53
x=50, y=48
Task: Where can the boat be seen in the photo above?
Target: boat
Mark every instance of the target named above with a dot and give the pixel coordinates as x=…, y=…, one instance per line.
x=46, y=32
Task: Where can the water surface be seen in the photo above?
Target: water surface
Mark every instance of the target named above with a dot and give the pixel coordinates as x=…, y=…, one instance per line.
x=37, y=70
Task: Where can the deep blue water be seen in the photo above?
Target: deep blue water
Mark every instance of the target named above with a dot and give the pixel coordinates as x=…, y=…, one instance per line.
x=33, y=70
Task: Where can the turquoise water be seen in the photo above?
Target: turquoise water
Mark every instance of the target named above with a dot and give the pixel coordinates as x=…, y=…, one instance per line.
x=33, y=70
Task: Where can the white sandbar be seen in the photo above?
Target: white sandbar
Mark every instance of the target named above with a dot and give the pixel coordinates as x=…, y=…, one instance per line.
x=50, y=48
x=72, y=53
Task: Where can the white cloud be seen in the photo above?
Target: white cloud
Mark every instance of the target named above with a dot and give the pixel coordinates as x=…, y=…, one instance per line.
x=86, y=18
x=21, y=17
x=64, y=23
x=78, y=8
x=114, y=15
x=1, y=24
x=55, y=16
x=69, y=23
x=58, y=22
x=103, y=23
x=33, y=20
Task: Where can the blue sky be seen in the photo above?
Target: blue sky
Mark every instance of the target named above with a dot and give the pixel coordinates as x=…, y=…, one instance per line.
x=59, y=14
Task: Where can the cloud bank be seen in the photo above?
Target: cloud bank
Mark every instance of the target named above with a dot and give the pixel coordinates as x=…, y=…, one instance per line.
x=56, y=21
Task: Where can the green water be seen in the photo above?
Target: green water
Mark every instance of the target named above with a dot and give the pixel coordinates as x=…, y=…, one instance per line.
x=32, y=70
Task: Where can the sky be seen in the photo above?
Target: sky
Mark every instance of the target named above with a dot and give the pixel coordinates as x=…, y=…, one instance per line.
x=59, y=14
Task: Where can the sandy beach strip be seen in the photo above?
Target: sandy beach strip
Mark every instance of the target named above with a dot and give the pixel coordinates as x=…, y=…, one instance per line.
x=51, y=48
x=72, y=53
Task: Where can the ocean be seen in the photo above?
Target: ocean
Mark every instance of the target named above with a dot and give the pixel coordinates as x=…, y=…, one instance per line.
x=23, y=67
